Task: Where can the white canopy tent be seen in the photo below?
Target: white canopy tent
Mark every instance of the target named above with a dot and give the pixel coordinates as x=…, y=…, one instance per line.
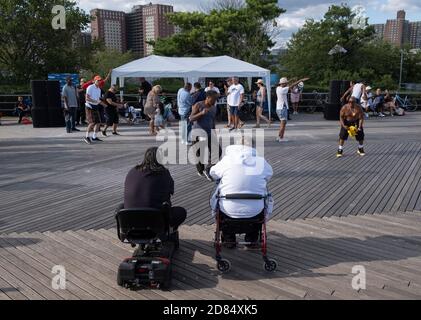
x=191, y=69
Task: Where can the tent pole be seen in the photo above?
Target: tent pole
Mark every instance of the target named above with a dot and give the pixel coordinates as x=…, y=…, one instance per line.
x=269, y=95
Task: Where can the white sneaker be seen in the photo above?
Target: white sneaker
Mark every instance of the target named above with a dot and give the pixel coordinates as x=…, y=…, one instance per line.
x=381, y=115
x=281, y=140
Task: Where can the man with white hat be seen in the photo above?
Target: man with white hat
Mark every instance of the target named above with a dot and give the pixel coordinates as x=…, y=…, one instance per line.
x=282, y=104
x=367, y=101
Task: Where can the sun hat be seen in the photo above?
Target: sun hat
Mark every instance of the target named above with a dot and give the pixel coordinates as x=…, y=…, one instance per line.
x=283, y=81
x=260, y=81
x=368, y=88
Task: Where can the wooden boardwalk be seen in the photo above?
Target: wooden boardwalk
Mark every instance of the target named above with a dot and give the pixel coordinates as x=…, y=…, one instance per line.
x=58, y=195
x=63, y=184
x=315, y=256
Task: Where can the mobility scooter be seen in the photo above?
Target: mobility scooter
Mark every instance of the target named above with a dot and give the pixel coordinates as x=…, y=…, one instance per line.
x=242, y=226
x=151, y=264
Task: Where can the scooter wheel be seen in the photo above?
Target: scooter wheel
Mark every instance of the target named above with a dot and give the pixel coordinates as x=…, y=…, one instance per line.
x=166, y=285
x=270, y=265
x=224, y=265
x=120, y=282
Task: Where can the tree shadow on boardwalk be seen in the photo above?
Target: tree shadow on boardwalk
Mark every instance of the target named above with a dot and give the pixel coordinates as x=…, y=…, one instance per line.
x=6, y=242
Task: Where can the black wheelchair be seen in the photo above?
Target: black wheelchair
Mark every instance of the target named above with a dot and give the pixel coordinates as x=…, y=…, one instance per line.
x=241, y=226
x=151, y=264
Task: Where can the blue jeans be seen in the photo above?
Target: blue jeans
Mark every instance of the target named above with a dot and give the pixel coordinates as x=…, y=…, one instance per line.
x=185, y=128
x=70, y=118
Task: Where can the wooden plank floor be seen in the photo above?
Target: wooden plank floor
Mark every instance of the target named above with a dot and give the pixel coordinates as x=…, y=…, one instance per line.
x=58, y=195
x=59, y=183
x=315, y=258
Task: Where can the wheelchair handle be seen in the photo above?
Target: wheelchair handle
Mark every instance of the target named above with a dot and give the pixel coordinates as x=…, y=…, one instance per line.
x=243, y=196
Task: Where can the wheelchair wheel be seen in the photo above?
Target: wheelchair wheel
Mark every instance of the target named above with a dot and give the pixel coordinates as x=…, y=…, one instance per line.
x=270, y=265
x=224, y=265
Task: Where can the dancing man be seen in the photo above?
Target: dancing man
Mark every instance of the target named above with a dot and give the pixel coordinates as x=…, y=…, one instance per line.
x=351, y=116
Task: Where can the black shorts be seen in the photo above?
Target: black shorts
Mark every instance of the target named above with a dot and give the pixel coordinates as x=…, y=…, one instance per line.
x=111, y=116
x=343, y=135
x=101, y=111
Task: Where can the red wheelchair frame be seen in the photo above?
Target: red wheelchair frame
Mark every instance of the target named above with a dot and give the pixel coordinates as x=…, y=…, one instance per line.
x=240, y=227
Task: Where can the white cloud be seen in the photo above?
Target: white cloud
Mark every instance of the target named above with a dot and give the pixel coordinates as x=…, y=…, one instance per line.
x=392, y=6
x=297, y=10
x=291, y=21
x=179, y=5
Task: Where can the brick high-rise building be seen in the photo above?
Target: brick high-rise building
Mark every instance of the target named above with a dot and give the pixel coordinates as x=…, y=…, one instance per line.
x=379, y=29
x=415, y=34
x=82, y=39
x=400, y=31
x=397, y=31
x=110, y=27
x=135, y=32
x=155, y=24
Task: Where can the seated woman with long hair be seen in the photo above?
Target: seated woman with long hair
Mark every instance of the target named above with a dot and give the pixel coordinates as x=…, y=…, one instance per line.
x=149, y=185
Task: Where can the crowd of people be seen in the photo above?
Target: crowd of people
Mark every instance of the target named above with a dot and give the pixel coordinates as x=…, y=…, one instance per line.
x=89, y=104
x=379, y=103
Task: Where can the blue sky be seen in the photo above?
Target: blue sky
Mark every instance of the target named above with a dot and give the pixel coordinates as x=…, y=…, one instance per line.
x=378, y=11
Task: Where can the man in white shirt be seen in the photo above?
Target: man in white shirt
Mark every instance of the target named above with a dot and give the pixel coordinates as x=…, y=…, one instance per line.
x=356, y=90
x=235, y=98
x=212, y=87
x=93, y=100
x=241, y=170
x=282, y=104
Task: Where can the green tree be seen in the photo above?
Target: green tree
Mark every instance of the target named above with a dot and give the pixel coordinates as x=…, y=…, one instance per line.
x=31, y=48
x=102, y=61
x=308, y=50
x=238, y=29
x=367, y=58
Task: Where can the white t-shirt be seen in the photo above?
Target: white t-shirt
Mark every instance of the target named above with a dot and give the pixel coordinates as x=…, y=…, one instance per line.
x=357, y=90
x=282, y=94
x=94, y=93
x=234, y=95
x=213, y=89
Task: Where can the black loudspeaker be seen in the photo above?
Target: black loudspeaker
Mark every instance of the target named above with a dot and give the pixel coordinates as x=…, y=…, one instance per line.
x=39, y=95
x=56, y=118
x=54, y=95
x=40, y=118
x=46, y=104
x=335, y=91
x=332, y=111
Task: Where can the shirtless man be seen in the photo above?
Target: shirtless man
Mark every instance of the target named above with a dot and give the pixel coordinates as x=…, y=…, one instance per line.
x=351, y=115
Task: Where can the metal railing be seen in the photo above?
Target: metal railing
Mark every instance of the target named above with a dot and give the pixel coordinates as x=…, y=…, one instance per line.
x=312, y=102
